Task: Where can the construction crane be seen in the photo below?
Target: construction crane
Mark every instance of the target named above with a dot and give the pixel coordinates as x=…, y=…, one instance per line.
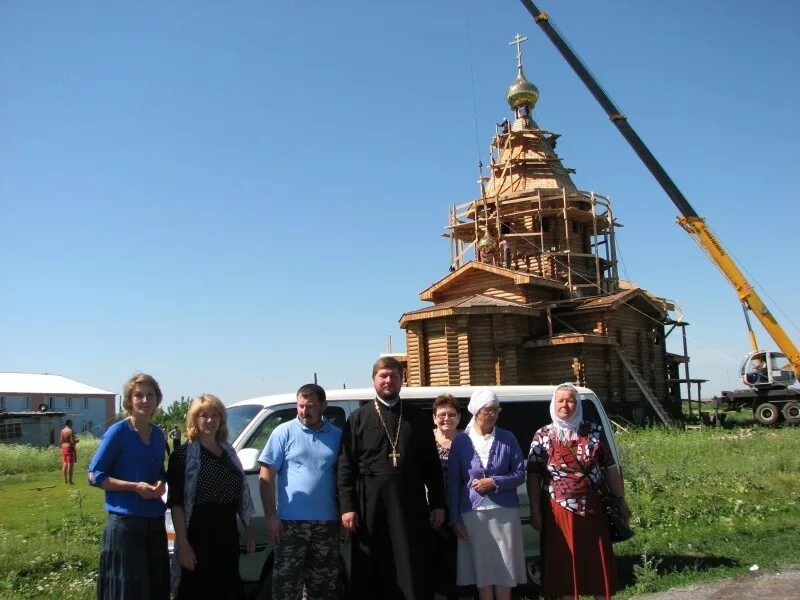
x=767, y=374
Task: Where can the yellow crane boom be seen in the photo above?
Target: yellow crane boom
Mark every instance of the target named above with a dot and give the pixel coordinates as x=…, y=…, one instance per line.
x=702, y=234
x=689, y=219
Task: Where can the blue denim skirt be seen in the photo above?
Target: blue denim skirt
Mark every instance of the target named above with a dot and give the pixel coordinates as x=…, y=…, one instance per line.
x=134, y=563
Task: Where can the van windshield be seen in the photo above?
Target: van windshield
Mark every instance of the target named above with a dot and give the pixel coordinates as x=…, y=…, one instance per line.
x=239, y=417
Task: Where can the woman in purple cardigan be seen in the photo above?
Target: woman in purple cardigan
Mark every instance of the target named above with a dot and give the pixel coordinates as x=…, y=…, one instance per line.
x=485, y=467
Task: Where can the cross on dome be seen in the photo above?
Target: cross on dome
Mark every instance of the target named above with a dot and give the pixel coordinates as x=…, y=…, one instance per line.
x=518, y=39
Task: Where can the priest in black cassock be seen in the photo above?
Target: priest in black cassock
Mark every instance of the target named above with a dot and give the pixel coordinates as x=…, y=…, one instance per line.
x=391, y=492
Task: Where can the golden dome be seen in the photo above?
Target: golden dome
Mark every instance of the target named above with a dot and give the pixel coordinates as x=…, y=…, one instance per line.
x=522, y=92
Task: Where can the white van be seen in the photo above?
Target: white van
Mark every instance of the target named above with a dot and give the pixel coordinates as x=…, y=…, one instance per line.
x=250, y=423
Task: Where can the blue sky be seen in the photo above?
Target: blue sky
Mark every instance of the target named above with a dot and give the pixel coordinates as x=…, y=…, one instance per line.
x=236, y=195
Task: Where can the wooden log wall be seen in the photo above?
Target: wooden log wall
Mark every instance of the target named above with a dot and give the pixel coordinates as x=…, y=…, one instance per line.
x=451, y=338
x=414, y=354
x=509, y=334
x=597, y=373
x=488, y=350
x=549, y=365
x=463, y=335
x=481, y=351
x=435, y=350
x=633, y=333
x=642, y=340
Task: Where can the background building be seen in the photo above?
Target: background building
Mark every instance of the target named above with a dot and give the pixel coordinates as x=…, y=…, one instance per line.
x=31, y=428
x=91, y=409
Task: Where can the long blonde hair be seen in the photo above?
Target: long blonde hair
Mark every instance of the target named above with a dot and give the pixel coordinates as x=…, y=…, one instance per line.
x=198, y=404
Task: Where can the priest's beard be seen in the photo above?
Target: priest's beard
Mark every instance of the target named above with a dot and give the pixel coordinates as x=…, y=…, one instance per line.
x=388, y=397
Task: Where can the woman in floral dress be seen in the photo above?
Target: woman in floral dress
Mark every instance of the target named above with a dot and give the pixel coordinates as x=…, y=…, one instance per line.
x=576, y=548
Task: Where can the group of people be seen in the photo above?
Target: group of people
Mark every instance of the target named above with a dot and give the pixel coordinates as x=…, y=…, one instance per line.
x=207, y=492
x=425, y=508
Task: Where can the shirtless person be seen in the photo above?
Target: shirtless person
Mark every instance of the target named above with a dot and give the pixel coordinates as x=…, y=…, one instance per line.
x=68, y=454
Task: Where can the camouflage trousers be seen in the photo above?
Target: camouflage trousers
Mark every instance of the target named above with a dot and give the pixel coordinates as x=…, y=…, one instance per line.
x=307, y=555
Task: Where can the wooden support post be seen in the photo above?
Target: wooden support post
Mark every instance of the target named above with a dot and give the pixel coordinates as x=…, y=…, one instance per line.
x=566, y=238
x=598, y=281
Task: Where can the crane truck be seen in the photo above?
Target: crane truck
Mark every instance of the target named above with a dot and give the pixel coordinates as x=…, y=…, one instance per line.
x=767, y=374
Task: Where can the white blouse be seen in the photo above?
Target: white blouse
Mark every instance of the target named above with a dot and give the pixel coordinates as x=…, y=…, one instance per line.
x=483, y=445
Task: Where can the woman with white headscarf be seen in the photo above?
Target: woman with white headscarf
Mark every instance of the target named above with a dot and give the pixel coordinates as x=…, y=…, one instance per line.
x=576, y=548
x=485, y=467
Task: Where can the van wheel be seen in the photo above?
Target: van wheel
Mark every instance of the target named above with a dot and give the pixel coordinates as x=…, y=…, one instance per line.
x=767, y=413
x=791, y=412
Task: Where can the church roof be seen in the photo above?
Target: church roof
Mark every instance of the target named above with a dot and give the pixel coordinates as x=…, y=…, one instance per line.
x=614, y=301
x=475, y=304
x=474, y=267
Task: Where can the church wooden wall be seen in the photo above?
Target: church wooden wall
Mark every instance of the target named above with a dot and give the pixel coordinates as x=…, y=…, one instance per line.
x=599, y=372
x=435, y=349
x=488, y=350
x=592, y=322
x=416, y=363
x=482, y=351
x=466, y=350
x=550, y=365
x=643, y=343
x=642, y=340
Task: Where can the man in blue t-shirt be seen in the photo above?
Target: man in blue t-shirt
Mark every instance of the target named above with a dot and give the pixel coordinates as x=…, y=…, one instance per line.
x=299, y=463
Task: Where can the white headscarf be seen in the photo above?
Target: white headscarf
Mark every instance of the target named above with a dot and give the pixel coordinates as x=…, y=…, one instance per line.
x=477, y=401
x=567, y=429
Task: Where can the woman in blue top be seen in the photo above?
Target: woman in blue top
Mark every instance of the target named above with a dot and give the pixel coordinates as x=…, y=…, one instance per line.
x=485, y=467
x=129, y=466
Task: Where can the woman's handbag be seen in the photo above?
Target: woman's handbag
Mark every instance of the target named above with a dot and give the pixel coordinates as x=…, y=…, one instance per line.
x=619, y=528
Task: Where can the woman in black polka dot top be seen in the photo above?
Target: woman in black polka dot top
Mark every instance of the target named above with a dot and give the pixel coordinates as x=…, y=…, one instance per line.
x=207, y=490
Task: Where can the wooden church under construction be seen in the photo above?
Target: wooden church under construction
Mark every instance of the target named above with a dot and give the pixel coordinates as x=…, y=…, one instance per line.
x=533, y=294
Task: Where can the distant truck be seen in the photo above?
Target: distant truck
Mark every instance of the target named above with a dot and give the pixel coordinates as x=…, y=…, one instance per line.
x=768, y=377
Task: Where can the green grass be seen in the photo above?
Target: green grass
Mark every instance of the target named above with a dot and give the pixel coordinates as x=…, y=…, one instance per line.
x=708, y=503
x=49, y=536
x=16, y=458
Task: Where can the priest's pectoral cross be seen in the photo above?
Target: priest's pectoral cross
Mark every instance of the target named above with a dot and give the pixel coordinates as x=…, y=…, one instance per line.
x=394, y=455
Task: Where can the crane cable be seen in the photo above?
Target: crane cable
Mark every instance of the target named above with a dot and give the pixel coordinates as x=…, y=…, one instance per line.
x=472, y=80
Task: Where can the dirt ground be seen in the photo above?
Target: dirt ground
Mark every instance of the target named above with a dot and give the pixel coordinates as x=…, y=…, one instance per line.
x=784, y=585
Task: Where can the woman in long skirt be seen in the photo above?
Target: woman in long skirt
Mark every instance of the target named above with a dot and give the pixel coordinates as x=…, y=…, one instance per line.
x=577, y=556
x=129, y=466
x=485, y=467
x=207, y=490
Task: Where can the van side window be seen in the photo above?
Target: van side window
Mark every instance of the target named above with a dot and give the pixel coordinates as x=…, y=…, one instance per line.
x=334, y=414
x=426, y=406
x=522, y=419
x=590, y=413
